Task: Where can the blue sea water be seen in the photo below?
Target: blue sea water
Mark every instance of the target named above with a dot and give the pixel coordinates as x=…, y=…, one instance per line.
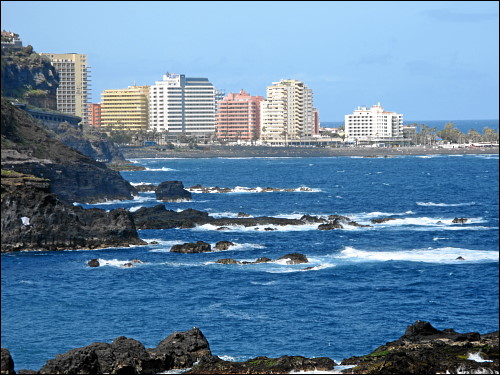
x=366, y=285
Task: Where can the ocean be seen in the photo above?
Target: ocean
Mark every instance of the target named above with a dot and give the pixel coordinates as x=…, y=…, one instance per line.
x=366, y=285
x=463, y=125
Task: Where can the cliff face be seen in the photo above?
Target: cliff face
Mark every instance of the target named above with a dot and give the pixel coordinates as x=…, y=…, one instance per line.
x=27, y=75
x=28, y=148
x=35, y=219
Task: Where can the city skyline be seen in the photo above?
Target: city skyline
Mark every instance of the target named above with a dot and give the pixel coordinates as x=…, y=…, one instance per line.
x=428, y=60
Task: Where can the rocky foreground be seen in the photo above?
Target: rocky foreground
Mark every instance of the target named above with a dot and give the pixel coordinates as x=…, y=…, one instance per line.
x=422, y=349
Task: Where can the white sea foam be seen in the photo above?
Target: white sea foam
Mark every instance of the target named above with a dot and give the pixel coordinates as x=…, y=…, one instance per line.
x=445, y=204
x=477, y=357
x=332, y=371
x=438, y=255
x=116, y=263
x=258, y=189
x=162, y=169
x=135, y=208
x=259, y=228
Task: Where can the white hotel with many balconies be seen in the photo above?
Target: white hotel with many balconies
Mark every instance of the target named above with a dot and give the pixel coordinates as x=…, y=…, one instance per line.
x=182, y=105
x=373, y=125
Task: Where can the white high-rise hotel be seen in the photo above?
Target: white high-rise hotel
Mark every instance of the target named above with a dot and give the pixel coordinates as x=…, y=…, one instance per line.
x=373, y=125
x=287, y=113
x=179, y=104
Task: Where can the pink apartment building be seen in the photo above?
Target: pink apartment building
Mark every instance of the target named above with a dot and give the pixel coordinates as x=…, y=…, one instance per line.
x=238, y=117
x=94, y=114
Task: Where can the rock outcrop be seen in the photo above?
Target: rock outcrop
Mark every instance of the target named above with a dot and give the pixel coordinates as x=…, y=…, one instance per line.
x=28, y=148
x=294, y=258
x=192, y=247
x=262, y=365
x=29, y=76
x=129, y=356
x=172, y=191
x=424, y=349
x=7, y=364
x=34, y=218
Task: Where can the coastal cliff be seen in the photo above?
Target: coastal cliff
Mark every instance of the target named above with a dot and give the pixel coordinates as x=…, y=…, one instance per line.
x=35, y=219
x=30, y=77
x=28, y=148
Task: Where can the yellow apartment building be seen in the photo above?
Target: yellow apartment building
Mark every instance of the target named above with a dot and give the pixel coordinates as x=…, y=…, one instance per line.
x=125, y=109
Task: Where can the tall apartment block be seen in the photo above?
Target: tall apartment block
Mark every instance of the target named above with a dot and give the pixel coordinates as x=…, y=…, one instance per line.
x=73, y=92
x=287, y=113
x=125, y=109
x=238, y=117
x=373, y=125
x=94, y=114
x=182, y=105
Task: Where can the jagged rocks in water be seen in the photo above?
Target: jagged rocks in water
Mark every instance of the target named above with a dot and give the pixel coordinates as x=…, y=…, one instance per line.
x=93, y=263
x=7, y=363
x=308, y=219
x=242, y=214
x=146, y=187
x=223, y=245
x=294, y=258
x=262, y=365
x=383, y=220
x=192, y=247
x=172, y=191
x=424, y=349
x=158, y=217
x=329, y=226
x=459, y=220
x=228, y=261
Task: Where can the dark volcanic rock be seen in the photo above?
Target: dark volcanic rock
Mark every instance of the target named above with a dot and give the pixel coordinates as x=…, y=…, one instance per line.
x=262, y=365
x=172, y=191
x=129, y=356
x=183, y=349
x=294, y=258
x=223, y=245
x=158, y=217
x=329, y=226
x=146, y=187
x=383, y=220
x=33, y=218
x=93, y=263
x=228, y=261
x=192, y=247
x=459, y=220
x=308, y=219
x=7, y=364
x=424, y=349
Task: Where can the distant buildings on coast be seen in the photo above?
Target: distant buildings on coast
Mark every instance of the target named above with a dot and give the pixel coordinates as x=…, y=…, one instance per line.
x=179, y=106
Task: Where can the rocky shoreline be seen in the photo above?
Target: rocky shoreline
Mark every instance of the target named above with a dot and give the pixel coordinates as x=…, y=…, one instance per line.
x=267, y=151
x=422, y=349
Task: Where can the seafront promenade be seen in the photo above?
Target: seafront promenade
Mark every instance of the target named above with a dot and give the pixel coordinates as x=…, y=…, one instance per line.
x=263, y=151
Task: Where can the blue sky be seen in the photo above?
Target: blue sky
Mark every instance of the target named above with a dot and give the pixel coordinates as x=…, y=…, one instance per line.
x=427, y=60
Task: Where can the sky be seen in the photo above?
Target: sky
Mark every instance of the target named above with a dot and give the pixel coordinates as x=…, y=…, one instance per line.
x=427, y=60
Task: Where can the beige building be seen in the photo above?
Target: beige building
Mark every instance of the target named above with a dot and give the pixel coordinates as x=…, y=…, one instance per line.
x=125, y=109
x=73, y=93
x=287, y=113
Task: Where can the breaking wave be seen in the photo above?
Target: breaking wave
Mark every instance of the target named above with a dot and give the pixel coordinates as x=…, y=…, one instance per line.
x=438, y=255
x=432, y=204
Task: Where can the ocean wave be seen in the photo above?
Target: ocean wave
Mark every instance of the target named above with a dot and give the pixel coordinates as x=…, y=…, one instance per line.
x=118, y=263
x=162, y=169
x=430, y=255
x=244, y=189
x=258, y=228
x=432, y=204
